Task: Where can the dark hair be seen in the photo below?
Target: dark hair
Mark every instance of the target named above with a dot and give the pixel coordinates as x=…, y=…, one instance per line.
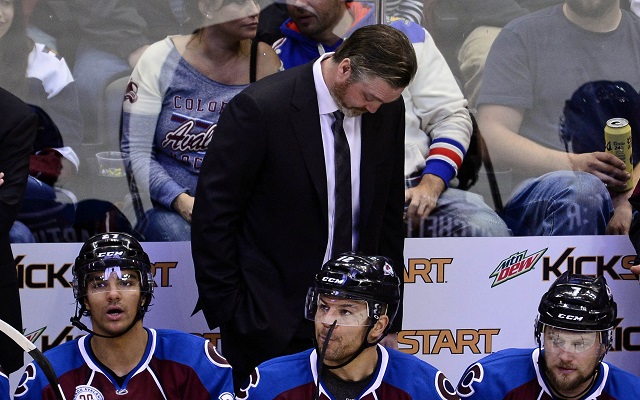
x=15, y=47
x=381, y=51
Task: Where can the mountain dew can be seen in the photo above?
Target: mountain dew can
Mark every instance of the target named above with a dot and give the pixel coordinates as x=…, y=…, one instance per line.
x=617, y=137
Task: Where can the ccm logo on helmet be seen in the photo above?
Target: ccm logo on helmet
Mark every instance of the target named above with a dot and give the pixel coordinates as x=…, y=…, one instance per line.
x=570, y=317
x=110, y=254
x=332, y=280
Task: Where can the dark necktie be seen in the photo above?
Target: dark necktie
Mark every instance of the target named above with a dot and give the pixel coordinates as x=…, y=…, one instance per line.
x=342, y=222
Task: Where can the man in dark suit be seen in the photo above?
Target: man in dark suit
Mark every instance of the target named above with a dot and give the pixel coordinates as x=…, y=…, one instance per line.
x=263, y=219
x=17, y=134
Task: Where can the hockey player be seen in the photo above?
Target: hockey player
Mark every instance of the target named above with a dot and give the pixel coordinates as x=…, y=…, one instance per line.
x=120, y=359
x=5, y=394
x=574, y=330
x=352, y=304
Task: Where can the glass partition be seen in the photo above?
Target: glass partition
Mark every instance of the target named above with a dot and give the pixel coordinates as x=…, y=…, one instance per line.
x=73, y=63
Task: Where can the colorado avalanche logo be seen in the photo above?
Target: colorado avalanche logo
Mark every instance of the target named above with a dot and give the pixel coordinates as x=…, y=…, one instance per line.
x=86, y=392
x=388, y=270
x=132, y=92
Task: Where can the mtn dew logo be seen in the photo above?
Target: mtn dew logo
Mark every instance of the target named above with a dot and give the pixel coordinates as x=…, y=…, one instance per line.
x=515, y=265
x=33, y=336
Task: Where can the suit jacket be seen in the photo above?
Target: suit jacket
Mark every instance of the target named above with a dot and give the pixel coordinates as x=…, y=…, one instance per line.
x=17, y=134
x=260, y=225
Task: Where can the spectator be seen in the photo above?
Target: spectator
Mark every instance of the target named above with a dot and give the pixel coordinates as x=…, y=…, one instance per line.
x=114, y=34
x=529, y=76
x=17, y=133
x=272, y=16
x=438, y=126
x=352, y=301
x=175, y=96
x=272, y=154
x=106, y=38
x=465, y=29
x=52, y=213
x=120, y=358
x=38, y=75
x=41, y=78
x=574, y=331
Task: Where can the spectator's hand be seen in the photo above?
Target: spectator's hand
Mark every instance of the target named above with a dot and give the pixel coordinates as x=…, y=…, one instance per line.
x=622, y=215
x=1, y=178
x=636, y=269
x=134, y=56
x=183, y=204
x=423, y=197
x=621, y=221
x=607, y=167
x=390, y=341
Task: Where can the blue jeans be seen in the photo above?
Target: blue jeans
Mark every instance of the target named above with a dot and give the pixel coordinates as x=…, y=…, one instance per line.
x=460, y=213
x=19, y=233
x=559, y=203
x=163, y=225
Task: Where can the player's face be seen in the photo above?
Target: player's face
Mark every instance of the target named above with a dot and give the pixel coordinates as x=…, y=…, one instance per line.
x=113, y=298
x=315, y=18
x=591, y=8
x=350, y=331
x=571, y=359
x=358, y=97
x=6, y=16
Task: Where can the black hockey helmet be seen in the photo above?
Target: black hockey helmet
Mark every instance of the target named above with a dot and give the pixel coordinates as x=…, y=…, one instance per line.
x=359, y=277
x=579, y=303
x=110, y=250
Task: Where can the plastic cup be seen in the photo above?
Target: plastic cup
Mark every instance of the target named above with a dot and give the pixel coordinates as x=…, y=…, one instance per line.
x=111, y=164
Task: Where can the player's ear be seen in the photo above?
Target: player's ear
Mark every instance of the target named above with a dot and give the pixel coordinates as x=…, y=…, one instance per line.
x=86, y=304
x=378, y=328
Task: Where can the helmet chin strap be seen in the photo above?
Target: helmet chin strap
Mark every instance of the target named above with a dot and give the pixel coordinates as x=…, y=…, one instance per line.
x=321, y=358
x=365, y=344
